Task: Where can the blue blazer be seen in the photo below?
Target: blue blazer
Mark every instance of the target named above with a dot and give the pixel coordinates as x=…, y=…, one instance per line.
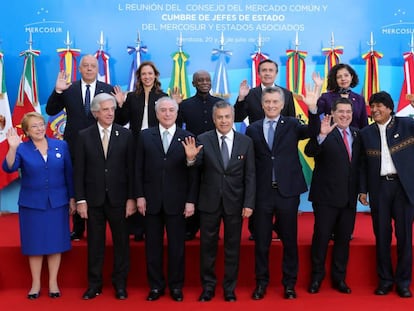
x=283, y=157
x=44, y=183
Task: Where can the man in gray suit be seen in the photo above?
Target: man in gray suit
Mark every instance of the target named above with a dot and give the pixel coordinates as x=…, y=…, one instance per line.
x=227, y=191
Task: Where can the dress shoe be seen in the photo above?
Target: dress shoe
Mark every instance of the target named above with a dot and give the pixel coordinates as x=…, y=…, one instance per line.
x=33, y=296
x=382, y=290
x=342, y=287
x=91, y=293
x=75, y=236
x=54, y=294
x=177, y=294
x=404, y=292
x=314, y=287
x=259, y=292
x=230, y=296
x=251, y=237
x=206, y=295
x=290, y=293
x=155, y=294
x=121, y=294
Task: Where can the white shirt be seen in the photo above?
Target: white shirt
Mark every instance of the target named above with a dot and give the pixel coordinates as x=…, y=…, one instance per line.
x=144, y=124
x=92, y=89
x=229, y=140
x=171, y=132
x=387, y=166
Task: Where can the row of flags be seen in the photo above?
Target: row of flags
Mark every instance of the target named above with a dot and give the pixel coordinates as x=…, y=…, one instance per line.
x=27, y=100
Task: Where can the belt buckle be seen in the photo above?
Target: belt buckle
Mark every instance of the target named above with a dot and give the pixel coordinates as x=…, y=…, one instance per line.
x=274, y=185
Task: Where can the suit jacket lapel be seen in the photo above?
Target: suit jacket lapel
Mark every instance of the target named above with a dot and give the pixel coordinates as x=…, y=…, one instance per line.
x=175, y=141
x=156, y=138
x=78, y=94
x=280, y=131
x=340, y=140
x=258, y=94
x=261, y=135
x=216, y=147
x=96, y=138
x=113, y=139
x=235, y=150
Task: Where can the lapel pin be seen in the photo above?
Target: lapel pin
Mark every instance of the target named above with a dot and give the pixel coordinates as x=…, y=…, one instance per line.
x=116, y=133
x=396, y=135
x=58, y=155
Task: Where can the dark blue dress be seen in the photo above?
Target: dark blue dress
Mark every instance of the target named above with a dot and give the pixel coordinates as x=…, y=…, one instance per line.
x=46, y=187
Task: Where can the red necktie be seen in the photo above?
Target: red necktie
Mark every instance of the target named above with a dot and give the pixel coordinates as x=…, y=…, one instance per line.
x=345, y=137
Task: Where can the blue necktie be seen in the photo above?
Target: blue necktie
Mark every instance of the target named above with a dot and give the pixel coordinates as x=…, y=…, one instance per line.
x=270, y=134
x=87, y=100
x=224, y=151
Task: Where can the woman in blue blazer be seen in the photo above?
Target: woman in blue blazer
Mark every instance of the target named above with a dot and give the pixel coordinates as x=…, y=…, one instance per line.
x=46, y=198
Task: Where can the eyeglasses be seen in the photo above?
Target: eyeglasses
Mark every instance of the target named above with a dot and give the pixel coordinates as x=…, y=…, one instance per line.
x=37, y=126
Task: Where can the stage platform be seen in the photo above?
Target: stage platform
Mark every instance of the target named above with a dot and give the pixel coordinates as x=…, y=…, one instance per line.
x=14, y=271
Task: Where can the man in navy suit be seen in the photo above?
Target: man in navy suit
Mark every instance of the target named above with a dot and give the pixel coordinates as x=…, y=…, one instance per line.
x=249, y=104
x=166, y=194
x=104, y=191
x=72, y=97
x=387, y=177
x=227, y=191
x=280, y=181
x=333, y=193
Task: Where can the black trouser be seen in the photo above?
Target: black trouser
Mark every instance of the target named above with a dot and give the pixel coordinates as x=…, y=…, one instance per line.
x=97, y=219
x=393, y=204
x=340, y=221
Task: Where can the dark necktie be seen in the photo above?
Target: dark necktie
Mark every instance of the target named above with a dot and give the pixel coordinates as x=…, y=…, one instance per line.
x=348, y=149
x=224, y=151
x=270, y=134
x=87, y=100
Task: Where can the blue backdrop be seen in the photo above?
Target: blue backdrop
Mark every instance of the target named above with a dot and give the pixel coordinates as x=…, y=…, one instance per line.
x=200, y=24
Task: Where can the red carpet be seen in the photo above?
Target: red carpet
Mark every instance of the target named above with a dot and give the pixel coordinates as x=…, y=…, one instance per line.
x=15, y=277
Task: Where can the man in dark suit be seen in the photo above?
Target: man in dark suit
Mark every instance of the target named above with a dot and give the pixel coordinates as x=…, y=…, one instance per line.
x=195, y=115
x=387, y=177
x=333, y=193
x=249, y=105
x=166, y=195
x=227, y=192
x=280, y=181
x=104, y=175
x=74, y=98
